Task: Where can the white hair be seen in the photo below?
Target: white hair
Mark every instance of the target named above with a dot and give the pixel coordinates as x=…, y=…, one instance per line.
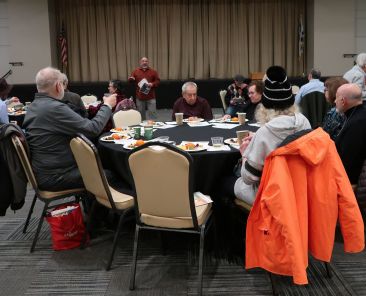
x=361, y=59
x=189, y=83
x=264, y=115
x=47, y=77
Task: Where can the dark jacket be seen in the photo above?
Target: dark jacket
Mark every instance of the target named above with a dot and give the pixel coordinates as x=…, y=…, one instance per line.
x=12, y=192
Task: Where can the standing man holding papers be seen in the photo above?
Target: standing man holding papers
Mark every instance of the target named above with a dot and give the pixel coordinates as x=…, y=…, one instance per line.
x=146, y=80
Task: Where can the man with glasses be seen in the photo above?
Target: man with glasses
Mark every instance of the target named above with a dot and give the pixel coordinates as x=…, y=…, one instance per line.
x=50, y=125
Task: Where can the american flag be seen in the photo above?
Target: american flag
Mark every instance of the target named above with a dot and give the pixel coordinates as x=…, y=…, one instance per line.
x=301, y=37
x=63, y=46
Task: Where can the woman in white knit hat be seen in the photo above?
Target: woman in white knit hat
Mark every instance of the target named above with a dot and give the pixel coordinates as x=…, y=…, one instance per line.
x=279, y=118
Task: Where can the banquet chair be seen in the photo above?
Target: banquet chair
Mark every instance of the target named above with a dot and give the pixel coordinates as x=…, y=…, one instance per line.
x=222, y=94
x=89, y=99
x=163, y=176
x=314, y=106
x=46, y=196
x=126, y=118
x=360, y=191
x=95, y=181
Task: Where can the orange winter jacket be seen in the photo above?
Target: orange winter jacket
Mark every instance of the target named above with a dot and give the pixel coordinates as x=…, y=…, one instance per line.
x=303, y=190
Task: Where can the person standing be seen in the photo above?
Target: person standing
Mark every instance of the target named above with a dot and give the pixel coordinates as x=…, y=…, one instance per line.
x=146, y=80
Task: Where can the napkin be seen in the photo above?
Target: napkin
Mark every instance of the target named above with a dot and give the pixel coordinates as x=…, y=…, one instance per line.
x=255, y=124
x=165, y=126
x=224, y=125
x=220, y=148
x=198, y=124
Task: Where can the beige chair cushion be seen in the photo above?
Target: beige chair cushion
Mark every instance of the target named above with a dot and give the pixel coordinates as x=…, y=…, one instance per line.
x=243, y=204
x=53, y=194
x=202, y=213
x=222, y=97
x=121, y=200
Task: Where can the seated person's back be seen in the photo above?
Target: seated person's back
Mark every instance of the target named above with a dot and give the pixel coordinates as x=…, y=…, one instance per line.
x=191, y=105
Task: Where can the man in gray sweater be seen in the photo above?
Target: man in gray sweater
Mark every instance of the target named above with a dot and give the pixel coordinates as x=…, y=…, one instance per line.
x=50, y=125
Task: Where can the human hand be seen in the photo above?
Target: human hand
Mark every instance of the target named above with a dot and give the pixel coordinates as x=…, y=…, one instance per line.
x=233, y=101
x=226, y=116
x=245, y=143
x=131, y=78
x=150, y=84
x=110, y=100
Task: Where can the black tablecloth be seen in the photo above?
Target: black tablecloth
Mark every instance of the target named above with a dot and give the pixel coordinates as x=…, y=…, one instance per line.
x=209, y=167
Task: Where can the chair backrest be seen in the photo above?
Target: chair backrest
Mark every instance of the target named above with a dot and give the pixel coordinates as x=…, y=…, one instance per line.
x=256, y=75
x=163, y=180
x=91, y=169
x=360, y=191
x=222, y=94
x=126, y=118
x=25, y=161
x=314, y=106
x=89, y=99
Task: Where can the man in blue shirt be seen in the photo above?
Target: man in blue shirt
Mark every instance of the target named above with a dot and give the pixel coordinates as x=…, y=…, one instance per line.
x=313, y=85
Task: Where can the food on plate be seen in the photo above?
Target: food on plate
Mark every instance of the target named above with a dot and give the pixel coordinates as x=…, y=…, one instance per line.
x=116, y=136
x=190, y=146
x=234, y=140
x=150, y=122
x=135, y=144
x=193, y=118
x=119, y=129
x=235, y=119
x=139, y=143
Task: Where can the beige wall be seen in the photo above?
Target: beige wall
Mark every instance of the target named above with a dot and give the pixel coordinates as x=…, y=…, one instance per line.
x=29, y=38
x=333, y=36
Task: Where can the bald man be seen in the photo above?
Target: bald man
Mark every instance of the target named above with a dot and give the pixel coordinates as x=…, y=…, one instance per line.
x=351, y=141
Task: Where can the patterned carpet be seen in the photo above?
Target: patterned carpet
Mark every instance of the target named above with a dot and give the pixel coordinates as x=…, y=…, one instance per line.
x=81, y=272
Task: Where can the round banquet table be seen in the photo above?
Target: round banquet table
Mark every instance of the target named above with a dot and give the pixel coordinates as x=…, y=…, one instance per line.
x=209, y=166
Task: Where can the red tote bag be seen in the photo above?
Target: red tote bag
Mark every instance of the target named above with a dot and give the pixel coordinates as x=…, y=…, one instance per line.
x=67, y=226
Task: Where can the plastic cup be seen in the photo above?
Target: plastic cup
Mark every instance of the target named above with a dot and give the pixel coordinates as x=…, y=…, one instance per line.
x=241, y=117
x=137, y=131
x=217, y=141
x=179, y=118
x=217, y=117
x=148, y=133
x=241, y=135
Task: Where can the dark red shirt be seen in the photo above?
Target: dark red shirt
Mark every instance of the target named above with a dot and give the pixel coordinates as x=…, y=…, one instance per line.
x=151, y=76
x=201, y=109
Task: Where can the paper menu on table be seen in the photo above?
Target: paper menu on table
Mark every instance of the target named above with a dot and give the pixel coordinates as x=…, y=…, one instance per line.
x=200, y=199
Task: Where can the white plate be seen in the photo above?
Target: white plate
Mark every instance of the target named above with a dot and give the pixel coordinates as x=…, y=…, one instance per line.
x=231, y=141
x=192, y=121
x=107, y=139
x=130, y=146
x=110, y=139
x=155, y=124
x=123, y=131
x=196, y=149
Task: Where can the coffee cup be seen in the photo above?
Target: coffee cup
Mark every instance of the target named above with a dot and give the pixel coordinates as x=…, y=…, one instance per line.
x=241, y=135
x=241, y=117
x=179, y=118
x=148, y=133
x=137, y=131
